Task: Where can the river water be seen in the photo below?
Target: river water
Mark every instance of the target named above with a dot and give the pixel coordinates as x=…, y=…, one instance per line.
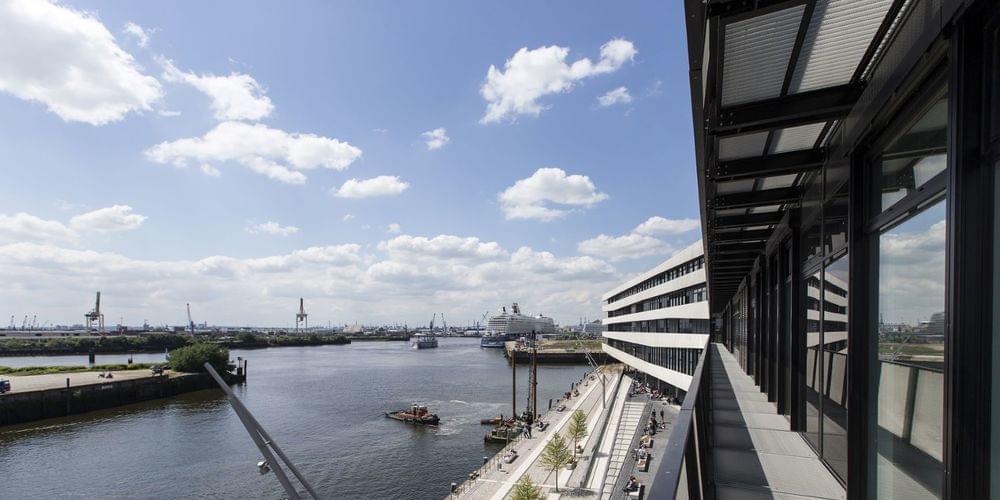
x=323, y=405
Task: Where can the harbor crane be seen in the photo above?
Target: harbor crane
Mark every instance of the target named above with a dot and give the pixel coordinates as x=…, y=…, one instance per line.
x=24, y=324
x=95, y=317
x=12, y=326
x=190, y=322
x=301, y=316
x=432, y=321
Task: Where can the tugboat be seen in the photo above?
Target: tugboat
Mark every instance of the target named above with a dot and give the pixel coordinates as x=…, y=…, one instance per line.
x=417, y=415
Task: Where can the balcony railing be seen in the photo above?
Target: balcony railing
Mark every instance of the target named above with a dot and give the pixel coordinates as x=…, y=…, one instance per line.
x=684, y=472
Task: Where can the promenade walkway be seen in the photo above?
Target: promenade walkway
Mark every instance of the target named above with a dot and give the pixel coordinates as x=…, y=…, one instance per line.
x=755, y=455
x=496, y=484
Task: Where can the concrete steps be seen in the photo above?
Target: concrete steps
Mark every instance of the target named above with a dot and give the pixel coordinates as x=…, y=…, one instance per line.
x=631, y=418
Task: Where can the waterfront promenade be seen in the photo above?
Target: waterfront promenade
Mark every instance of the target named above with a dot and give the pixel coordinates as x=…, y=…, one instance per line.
x=496, y=483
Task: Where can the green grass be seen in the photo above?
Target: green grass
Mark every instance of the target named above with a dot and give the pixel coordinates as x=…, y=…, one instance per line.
x=45, y=370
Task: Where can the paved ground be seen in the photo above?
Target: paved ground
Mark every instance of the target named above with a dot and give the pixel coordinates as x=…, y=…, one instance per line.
x=30, y=383
x=755, y=454
x=496, y=484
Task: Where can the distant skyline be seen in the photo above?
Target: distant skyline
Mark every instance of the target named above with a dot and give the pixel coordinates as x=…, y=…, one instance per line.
x=386, y=161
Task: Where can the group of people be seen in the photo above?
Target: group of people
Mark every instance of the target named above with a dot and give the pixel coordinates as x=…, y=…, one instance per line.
x=106, y=375
x=654, y=393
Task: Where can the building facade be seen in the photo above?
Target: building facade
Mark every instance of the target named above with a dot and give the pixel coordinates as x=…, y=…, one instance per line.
x=847, y=156
x=658, y=322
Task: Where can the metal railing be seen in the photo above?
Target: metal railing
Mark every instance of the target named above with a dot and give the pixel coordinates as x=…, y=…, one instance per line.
x=685, y=469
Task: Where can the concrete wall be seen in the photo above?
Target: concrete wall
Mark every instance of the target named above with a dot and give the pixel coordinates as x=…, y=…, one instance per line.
x=24, y=407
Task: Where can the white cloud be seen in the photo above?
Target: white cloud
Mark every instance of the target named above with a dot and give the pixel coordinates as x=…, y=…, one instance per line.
x=168, y=113
x=393, y=228
x=27, y=227
x=657, y=225
x=70, y=62
x=619, y=95
x=272, y=228
x=209, y=170
x=530, y=198
x=267, y=151
x=442, y=246
x=532, y=74
x=140, y=34
x=383, y=185
x=629, y=246
x=347, y=217
x=342, y=283
x=107, y=220
x=234, y=97
x=436, y=138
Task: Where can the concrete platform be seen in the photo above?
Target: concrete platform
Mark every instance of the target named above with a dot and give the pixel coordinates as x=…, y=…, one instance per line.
x=29, y=383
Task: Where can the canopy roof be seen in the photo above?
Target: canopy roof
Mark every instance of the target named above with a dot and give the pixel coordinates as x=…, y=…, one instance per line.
x=770, y=81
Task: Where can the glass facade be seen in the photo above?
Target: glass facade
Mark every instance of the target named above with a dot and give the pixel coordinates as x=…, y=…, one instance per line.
x=661, y=278
x=670, y=325
x=678, y=359
x=676, y=298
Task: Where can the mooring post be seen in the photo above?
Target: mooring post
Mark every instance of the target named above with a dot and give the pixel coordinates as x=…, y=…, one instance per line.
x=68, y=396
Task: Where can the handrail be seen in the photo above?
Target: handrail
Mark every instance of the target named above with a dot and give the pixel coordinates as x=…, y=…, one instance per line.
x=680, y=444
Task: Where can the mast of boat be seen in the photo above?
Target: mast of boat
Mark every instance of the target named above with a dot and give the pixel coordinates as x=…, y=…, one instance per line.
x=534, y=377
x=513, y=383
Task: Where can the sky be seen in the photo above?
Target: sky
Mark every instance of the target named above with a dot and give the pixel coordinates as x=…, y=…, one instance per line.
x=383, y=160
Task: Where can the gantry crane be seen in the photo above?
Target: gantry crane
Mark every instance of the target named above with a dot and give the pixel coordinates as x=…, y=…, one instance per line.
x=301, y=316
x=96, y=316
x=190, y=321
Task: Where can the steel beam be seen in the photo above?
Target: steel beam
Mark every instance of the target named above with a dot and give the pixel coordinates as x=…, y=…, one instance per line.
x=755, y=198
x=777, y=164
x=788, y=111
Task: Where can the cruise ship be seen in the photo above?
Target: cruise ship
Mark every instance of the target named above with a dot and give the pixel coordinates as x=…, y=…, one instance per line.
x=509, y=325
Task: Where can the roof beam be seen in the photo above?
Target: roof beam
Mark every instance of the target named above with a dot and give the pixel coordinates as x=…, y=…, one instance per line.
x=755, y=198
x=741, y=236
x=787, y=111
x=742, y=249
x=777, y=164
x=748, y=8
x=751, y=220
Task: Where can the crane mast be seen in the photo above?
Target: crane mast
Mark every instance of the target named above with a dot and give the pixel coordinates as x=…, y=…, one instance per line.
x=190, y=321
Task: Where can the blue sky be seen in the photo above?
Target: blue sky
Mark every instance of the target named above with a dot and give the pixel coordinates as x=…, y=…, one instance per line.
x=364, y=78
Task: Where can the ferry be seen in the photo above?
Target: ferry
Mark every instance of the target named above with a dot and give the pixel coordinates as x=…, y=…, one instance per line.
x=423, y=341
x=492, y=340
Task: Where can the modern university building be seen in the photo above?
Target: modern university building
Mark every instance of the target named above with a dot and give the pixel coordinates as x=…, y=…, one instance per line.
x=657, y=322
x=847, y=160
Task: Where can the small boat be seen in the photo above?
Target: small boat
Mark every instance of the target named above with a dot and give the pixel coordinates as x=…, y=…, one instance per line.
x=417, y=415
x=491, y=421
x=502, y=434
x=423, y=341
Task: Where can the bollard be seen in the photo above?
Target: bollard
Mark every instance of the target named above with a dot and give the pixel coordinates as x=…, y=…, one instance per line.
x=454, y=487
x=550, y=403
x=485, y=460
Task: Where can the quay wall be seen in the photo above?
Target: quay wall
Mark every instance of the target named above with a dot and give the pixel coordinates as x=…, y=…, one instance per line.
x=557, y=356
x=22, y=407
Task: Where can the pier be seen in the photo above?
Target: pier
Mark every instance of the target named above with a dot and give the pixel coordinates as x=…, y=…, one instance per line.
x=37, y=397
x=557, y=351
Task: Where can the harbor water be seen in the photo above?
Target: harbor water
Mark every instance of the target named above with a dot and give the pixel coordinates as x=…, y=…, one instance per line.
x=324, y=405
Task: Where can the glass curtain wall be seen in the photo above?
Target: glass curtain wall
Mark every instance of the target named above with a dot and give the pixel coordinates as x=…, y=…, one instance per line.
x=911, y=238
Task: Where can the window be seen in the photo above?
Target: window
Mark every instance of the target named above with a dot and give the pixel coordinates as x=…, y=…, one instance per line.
x=910, y=339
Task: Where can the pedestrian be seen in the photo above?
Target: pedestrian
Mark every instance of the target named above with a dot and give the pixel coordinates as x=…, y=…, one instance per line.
x=661, y=414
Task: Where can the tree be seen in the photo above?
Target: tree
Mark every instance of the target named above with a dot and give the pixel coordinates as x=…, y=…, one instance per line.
x=556, y=455
x=526, y=490
x=577, y=429
x=192, y=358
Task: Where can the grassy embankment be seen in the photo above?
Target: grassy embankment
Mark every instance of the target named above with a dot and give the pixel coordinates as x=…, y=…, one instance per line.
x=45, y=370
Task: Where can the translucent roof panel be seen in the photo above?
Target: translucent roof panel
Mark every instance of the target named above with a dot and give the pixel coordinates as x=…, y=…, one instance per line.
x=726, y=212
x=756, y=54
x=838, y=36
x=765, y=209
x=778, y=181
x=796, y=138
x=740, y=186
x=742, y=146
